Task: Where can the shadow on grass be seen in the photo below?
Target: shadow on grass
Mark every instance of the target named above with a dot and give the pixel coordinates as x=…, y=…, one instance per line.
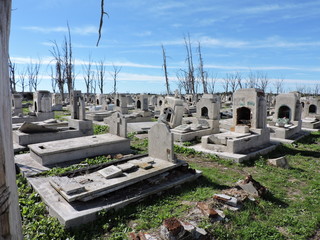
x=271, y=198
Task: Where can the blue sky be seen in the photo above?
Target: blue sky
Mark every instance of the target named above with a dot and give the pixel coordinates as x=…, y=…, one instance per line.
x=280, y=38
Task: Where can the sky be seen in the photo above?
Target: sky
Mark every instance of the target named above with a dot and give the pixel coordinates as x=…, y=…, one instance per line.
x=278, y=38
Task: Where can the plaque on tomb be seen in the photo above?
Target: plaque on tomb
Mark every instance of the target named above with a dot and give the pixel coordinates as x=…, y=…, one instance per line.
x=110, y=172
x=126, y=167
x=68, y=185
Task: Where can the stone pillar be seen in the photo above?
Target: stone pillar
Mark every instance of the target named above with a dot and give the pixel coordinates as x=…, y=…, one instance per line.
x=10, y=222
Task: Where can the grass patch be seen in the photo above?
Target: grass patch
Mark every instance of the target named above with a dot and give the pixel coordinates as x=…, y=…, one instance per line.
x=100, y=129
x=62, y=115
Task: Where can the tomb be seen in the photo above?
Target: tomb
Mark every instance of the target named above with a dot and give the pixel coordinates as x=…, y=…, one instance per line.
x=310, y=112
x=56, y=102
x=205, y=122
x=16, y=105
x=41, y=109
x=121, y=103
x=77, y=126
x=249, y=134
x=140, y=114
x=172, y=111
x=286, y=122
x=77, y=198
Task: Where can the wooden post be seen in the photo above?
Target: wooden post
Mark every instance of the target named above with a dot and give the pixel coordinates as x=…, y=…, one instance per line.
x=10, y=222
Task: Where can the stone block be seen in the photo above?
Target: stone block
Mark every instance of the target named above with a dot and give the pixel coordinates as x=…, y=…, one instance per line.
x=279, y=162
x=241, y=129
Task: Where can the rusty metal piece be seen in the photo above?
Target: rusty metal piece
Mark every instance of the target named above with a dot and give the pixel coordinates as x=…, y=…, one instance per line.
x=173, y=225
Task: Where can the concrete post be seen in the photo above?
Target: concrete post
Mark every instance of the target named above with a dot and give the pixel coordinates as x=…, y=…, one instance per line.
x=10, y=222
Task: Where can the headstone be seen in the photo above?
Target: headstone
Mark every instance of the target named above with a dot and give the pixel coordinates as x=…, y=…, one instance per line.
x=118, y=125
x=161, y=143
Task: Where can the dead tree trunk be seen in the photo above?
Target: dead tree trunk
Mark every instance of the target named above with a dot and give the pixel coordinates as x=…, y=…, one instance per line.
x=202, y=73
x=165, y=69
x=10, y=222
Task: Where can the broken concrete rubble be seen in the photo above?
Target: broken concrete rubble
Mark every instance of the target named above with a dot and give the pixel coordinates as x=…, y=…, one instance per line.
x=252, y=186
x=174, y=229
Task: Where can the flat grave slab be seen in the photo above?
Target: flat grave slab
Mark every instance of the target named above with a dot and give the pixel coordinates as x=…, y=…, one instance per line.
x=54, y=152
x=238, y=158
x=75, y=213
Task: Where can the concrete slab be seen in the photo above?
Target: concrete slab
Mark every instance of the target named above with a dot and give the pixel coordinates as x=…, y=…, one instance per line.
x=293, y=139
x=77, y=213
x=54, y=152
x=18, y=148
x=28, y=166
x=238, y=158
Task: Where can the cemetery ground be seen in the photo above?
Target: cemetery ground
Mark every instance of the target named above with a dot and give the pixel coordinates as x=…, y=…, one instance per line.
x=290, y=210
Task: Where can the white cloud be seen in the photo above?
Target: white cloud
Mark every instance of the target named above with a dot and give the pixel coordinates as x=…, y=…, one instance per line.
x=85, y=30
x=143, y=34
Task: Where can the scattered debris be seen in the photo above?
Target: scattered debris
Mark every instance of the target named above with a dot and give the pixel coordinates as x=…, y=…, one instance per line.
x=207, y=210
x=252, y=187
x=231, y=201
x=174, y=229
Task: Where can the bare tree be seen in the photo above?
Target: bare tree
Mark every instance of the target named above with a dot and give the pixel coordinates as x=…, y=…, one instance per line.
x=239, y=80
x=114, y=75
x=22, y=80
x=165, y=69
x=189, y=60
x=251, y=81
x=278, y=85
x=225, y=84
x=301, y=89
x=101, y=72
x=88, y=74
x=202, y=74
x=316, y=89
x=68, y=62
x=183, y=80
x=262, y=80
x=12, y=76
x=33, y=75
x=212, y=83
x=53, y=81
x=232, y=80
x=59, y=76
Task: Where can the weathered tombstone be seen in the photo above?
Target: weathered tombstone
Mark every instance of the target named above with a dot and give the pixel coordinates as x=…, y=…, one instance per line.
x=42, y=102
x=118, y=125
x=141, y=103
x=56, y=102
x=172, y=111
x=16, y=104
x=121, y=103
x=78, y=120
x=10, y=222
x=77, y=105
x=161, y=143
